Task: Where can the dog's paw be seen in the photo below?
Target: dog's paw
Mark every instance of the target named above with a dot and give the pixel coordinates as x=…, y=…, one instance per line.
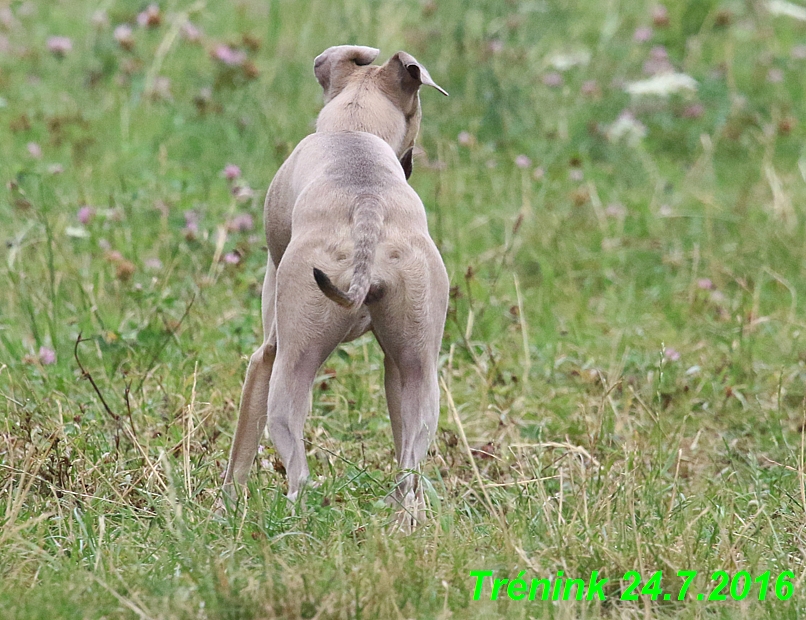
x=227, y=500
x=229, y=491
x=410, y=514
x=219, y=508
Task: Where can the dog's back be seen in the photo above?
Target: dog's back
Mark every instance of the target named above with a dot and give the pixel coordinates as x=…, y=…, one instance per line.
x=319, y=181
x=349, y=196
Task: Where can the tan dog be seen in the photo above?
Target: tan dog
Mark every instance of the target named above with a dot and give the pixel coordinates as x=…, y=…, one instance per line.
x=344, y=226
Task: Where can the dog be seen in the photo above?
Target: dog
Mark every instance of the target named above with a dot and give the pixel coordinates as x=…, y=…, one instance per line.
x=349, y=252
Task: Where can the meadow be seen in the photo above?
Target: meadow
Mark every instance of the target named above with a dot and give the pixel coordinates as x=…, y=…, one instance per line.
x=617, y=190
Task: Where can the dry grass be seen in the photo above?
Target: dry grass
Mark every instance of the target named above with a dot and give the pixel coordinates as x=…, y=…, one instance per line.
x=623, y=375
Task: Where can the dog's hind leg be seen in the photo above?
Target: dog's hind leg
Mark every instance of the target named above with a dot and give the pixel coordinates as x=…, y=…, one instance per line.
x=309, y=327
x=408, y=322
x=254, y=398
x=391, y=382
x=412, y=394
x=412, y=397
x=289, y=403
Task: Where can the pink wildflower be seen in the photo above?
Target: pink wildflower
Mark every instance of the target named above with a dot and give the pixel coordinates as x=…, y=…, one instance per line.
x=695, y=110
x=7, y=19
x=671, y=354
x=85, y=214
x=228, y=56
x=191, y=33
x=660, y=16
x=47, y=356
x=658, y=61
x=191, y=224
x=242, y=222
x=590, y=88
x=123, y=35
x=553, y=79
x=60, y=46
x=522, y=161
x=495, y=46
x=231, y=172
x=465, y=138
x=616, y=210
x=151, y=17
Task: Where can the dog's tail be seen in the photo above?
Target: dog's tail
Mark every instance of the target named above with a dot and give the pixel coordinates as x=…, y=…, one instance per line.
x=367, y=220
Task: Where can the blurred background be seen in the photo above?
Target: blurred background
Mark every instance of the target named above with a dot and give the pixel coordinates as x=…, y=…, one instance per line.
x=617, y=190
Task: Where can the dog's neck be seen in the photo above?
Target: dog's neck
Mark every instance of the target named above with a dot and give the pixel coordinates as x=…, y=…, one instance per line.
x=364, y=108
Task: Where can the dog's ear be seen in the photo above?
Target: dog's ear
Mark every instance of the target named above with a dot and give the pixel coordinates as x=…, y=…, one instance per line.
x=411, y=74
x=333, y=66
x=407, y=161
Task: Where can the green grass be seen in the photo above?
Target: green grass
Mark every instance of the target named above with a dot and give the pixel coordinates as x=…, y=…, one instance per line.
x=625, y=334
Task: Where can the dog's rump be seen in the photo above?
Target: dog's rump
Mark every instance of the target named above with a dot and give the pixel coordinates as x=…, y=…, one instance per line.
x=366, y=221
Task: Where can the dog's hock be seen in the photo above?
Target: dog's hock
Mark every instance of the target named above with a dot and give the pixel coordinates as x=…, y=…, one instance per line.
x=333, y=66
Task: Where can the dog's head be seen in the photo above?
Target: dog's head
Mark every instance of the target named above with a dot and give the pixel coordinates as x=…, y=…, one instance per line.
x=382, y=100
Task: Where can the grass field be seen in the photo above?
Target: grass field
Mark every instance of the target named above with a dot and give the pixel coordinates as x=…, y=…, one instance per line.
x=624, y=359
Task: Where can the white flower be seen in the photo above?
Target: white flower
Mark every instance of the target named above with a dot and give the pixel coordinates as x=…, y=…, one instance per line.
x=663, y=84
x=782, y=7
x=243, y=194
x=76, y=232
x=564, y=61
x=627, y=127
